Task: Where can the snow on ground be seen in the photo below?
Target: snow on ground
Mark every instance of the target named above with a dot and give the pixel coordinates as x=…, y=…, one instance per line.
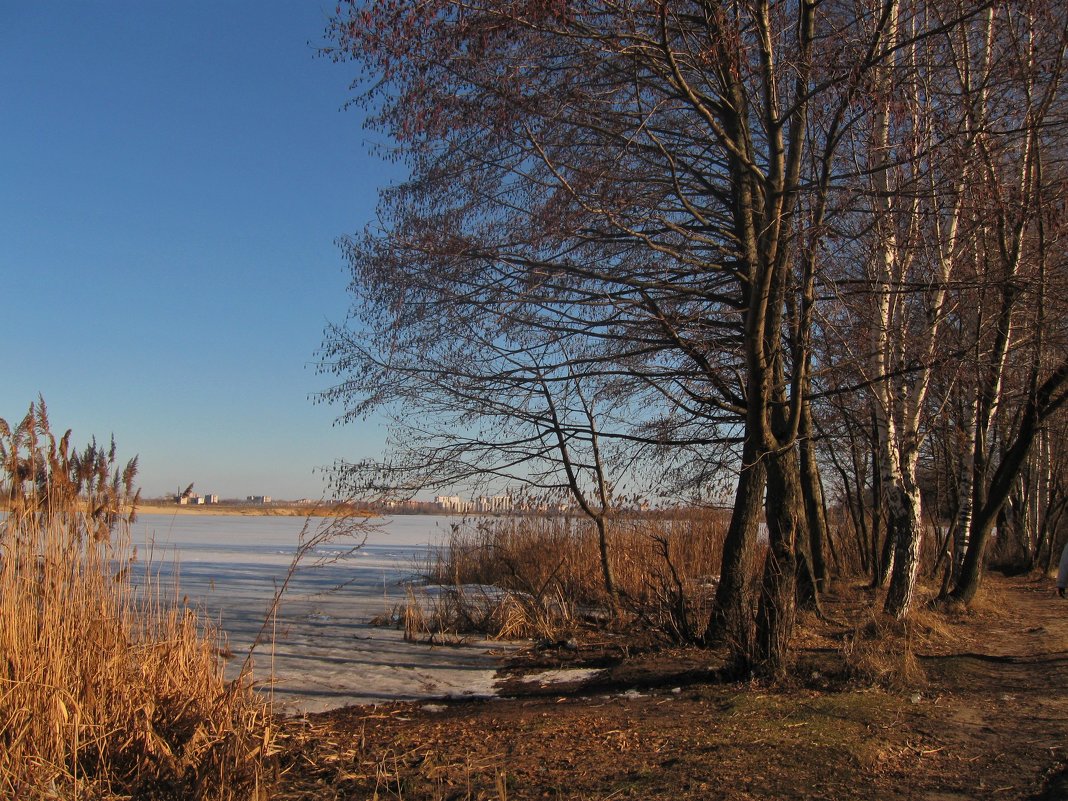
x=321, y=649
x=561, y=675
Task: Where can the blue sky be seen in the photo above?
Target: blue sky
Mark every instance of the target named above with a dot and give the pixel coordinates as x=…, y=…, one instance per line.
x=172, y=180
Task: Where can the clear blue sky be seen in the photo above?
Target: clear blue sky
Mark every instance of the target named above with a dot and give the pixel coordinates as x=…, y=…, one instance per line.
x=172, y=180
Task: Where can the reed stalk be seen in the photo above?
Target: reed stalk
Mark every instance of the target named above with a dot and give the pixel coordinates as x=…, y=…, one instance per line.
x=548, y=567
x=109, y=686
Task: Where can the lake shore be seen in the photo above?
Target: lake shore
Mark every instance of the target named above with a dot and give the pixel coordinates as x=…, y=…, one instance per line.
x=323, y=509
x=986, y=720
x=323, y=651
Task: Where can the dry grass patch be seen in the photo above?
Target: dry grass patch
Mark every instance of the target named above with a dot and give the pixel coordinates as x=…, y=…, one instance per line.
x=541, y=576
x=882, y=652
x=109, y=688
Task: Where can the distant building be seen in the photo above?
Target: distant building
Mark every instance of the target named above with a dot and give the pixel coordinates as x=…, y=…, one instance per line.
x=493, y=503
x=259, y=498
x=452, y=503
x=212, y=499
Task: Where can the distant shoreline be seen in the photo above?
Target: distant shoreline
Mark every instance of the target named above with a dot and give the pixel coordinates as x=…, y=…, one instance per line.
x=253, y=510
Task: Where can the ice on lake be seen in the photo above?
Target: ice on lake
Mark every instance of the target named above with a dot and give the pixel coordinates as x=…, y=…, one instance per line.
x=321, y=649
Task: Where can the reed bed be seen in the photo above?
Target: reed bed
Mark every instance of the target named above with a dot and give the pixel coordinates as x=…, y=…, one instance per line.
x=541, y=576
x=109, y=686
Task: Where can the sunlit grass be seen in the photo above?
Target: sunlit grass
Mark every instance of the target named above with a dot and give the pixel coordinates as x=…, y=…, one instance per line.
x=109, y=687
x=540, y=576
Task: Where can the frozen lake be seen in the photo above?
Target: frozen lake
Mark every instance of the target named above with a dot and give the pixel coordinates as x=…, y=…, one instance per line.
x=324, y=653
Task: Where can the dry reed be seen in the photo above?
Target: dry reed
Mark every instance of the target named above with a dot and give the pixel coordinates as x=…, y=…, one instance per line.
x=109, y=687
x=546, y=575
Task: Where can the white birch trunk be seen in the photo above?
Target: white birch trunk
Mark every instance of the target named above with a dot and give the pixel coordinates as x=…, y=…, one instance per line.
x=963, y=528
x=885, y=262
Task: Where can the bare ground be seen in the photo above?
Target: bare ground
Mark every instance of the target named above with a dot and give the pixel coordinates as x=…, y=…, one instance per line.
x=985, y=716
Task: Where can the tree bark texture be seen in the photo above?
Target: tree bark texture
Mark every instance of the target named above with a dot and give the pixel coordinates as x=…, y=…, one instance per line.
x=777, y=611
x=732, y=615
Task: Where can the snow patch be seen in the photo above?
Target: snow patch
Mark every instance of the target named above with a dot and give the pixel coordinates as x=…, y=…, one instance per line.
x=560, y=675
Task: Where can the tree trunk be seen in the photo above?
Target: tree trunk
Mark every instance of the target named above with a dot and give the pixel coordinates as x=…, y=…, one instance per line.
x=882, y=553
x=903, y=502
x=732, y=613
x=885, y=565
x=778, y=594
x=963, y=527
x=1044, y=401
x=606, y=564
x=812, y=491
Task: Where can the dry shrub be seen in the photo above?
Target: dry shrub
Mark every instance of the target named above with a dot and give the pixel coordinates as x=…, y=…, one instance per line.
x=882, y=652
x=669, y=569
x=548, y=567
x=930, y=629
x=437, y=619
x=989, y=602
x=447, y=615
x=108, y=687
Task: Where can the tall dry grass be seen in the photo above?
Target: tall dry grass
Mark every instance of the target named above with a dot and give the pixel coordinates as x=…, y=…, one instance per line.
x=109, y=688
x=548, y=567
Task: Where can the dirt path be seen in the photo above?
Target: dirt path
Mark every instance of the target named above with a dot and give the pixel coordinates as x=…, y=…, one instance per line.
x=989, y=722
x=999, y=719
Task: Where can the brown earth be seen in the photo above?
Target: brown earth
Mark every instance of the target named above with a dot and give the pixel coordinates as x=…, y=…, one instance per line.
x=980, y=712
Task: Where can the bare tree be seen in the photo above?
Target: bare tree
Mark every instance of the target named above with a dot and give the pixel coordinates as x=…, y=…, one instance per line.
x=645, y=198
x=1018, y=372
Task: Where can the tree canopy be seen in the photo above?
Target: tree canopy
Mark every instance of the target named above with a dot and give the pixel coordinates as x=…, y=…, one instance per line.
x=675, y=241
